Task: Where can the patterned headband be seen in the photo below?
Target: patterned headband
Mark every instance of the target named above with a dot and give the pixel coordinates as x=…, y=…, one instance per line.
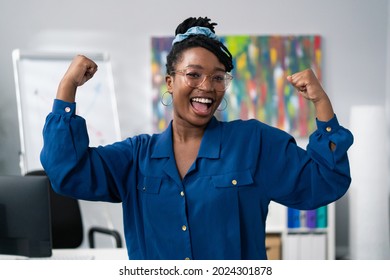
x=196, y=30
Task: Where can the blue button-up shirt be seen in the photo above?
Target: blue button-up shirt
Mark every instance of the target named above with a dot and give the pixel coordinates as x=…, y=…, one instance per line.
x=219, y=209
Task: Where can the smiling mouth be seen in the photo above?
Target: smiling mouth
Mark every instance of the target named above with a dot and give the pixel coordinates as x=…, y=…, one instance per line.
x=201, y=103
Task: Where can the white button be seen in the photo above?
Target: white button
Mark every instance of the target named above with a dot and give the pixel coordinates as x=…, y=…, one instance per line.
x=234, y=182
x=182, y=193
x=67, y=109
x=328, y=129
x=187, y=258
x=184, y=228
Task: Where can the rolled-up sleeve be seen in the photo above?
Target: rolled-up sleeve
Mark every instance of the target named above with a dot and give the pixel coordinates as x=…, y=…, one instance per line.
x=65, y=138
x=308, y=179
x=73, y=167
x=320, y=141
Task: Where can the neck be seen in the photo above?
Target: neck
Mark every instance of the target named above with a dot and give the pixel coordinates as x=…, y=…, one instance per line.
x=184, y=132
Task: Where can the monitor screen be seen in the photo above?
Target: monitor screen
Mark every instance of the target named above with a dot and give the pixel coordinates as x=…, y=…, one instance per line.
x=25, y=227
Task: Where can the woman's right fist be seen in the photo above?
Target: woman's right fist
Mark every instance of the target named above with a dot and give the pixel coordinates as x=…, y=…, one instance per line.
x=80, y=71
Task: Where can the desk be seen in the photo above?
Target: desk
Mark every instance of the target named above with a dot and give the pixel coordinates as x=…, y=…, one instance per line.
x=89, y=254
x=78, y=254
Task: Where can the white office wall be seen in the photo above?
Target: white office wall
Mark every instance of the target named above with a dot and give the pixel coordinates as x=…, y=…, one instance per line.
x=355, y=34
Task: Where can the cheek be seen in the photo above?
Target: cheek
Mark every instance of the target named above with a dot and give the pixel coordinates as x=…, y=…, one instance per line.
x=180, y=88
x=181, y=96
x=220, y=97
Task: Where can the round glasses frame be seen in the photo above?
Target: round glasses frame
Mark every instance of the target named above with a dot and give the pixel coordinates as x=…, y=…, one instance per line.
x=195, y=79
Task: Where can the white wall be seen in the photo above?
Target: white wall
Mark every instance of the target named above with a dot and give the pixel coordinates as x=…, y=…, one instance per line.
x=355, y=35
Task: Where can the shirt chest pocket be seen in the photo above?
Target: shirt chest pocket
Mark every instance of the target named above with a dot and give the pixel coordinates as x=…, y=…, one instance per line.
x=237, y=179
x=149, y=185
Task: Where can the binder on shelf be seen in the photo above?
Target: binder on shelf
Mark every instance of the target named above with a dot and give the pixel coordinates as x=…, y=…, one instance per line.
x=312, y=246
x=305, y=246
x=291, y=248
x=311, y=218
x=319, y=246
x=322, y=217
x=293, y=218
x=302, y=218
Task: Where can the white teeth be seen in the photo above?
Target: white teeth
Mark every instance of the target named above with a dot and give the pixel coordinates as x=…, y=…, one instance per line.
x=202, y=100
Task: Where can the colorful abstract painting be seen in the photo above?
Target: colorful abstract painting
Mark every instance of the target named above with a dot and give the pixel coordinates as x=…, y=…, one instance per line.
x=259, y=88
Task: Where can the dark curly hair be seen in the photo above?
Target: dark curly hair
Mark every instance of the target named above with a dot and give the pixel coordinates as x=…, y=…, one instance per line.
x=214, y=46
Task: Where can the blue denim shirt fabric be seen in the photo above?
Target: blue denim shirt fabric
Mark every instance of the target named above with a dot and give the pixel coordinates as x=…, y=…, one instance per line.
x=219, y=209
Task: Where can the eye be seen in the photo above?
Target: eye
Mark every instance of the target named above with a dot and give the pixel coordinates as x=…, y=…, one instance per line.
x=219, y=77
x=193, y=74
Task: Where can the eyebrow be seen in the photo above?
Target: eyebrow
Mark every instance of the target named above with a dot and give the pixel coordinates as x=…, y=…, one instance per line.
x=197, y=66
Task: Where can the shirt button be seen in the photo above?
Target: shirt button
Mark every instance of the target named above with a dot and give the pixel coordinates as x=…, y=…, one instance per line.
x=184, y=228
x=187, y=258
x=182, y=193
x=67, y=109
x=234, y=182
x=328, y=129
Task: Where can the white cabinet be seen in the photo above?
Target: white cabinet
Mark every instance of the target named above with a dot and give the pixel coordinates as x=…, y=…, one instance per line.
x=302, y=242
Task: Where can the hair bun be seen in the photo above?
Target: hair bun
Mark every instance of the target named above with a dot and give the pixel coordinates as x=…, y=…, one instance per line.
x=192, y=21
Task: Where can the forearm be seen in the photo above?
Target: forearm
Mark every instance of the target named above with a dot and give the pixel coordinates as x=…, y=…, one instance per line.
x=66, y=91
x=324, y=109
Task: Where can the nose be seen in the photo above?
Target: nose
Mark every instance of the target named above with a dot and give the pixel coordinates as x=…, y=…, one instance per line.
x=207, y=84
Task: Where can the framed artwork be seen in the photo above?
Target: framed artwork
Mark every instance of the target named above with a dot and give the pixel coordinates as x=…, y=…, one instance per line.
x=259, y=88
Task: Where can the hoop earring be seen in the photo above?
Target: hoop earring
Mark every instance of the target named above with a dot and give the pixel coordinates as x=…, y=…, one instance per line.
x=163, y=99
x=224, y=107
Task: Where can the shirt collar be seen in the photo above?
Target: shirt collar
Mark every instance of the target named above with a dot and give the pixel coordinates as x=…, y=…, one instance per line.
x=212, y=139
x=209, y=148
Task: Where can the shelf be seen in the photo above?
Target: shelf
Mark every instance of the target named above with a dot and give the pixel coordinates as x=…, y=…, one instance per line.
x=304, y=240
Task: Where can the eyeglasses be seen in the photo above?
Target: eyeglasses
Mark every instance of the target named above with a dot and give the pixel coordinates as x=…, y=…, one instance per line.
x=195, y=78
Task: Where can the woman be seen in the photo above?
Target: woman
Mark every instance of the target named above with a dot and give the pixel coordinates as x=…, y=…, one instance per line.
x=200, y=189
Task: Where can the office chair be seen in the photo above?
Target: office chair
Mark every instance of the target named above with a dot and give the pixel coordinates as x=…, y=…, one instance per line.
x=66, y=220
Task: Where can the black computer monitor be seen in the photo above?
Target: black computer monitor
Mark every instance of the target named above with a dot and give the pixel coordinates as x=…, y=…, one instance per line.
x=25, y=228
